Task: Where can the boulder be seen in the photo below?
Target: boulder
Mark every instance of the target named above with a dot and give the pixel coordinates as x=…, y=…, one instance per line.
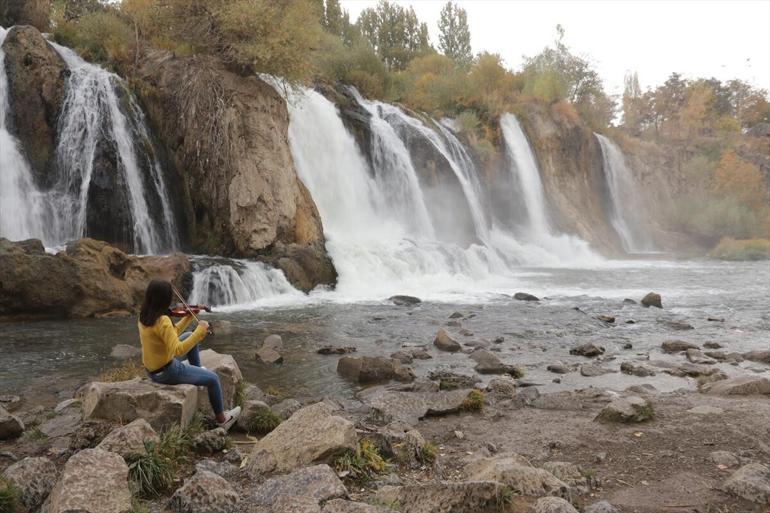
x=627, y=409
x=370, y=370
x=124, y=401
x=725, y=458
x=269, y=356
x=230, y=378
x=310, y=435
x=10, y=402
x=409, y=407
x=286, y=408
x=343, y=506
x=130, y=438
x=677, y=346
x=211, y=441
x=636, y=370
x=738, y=386
x=757, y=356
x=553, y=505
x=524, y=296
x=590, y=370
x=336, y=350
x=11, y=426
x=502, y=388
x=93, y=481
x=318, y=482
x=601, y=507
x=588, y=350
x=404, y=357
x=652, y=299
x=487, y=362
x=444, y=342
x=443, y=496
x=125, y=352
x=204, y=492
x=34, y=478
x=750, y=482
x=514, y=471
x=405, y=300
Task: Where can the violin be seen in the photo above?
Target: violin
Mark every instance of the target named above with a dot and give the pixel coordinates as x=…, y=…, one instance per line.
x=182, y=311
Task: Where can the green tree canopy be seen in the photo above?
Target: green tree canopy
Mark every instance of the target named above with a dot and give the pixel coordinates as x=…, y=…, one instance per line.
x=455, y=36
x=395, y=33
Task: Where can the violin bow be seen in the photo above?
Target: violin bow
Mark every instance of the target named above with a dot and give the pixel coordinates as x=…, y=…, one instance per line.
x=179, y=296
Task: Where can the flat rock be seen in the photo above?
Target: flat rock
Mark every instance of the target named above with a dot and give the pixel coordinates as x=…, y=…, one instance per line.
x=308, y=436
x=676, y=325
x=524, y=296
x=591, y=370
x=367, y=370
x=129, y=438
x=553, y=505
x=34, y=478
x=337, y=350
x=587, y=350
x=269, y=356
x=558, y=368
x=750, y=482
x=204, y=492
x=652, y=299
x=62, y=425
x=725, y=458
x=636, y=370
x=93, y=481
x=676, y=346
x=318, y=482
x=125, y=352
x=514, y=471
x=738, y=386
x=409, y=407
x=627, y=409
x=211, y=441
x=402, y=300
x=124, y=401
x=443, y=496
x=286, y=408
x=444, y=342
x=11, y=426
x=487, y=362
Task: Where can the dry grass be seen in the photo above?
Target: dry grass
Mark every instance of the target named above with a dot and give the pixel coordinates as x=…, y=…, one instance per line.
x=122, y=372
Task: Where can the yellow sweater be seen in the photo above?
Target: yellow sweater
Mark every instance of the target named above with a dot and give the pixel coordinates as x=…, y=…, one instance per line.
x=160, y=342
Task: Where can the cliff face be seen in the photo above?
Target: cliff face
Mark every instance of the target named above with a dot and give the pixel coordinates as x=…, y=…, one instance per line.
x=227, y=141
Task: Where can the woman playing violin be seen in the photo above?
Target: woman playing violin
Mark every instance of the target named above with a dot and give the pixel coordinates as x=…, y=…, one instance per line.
x=166, y=346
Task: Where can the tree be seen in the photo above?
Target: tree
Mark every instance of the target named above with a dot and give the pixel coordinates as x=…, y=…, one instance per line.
x=395, y=33
x=455, y=36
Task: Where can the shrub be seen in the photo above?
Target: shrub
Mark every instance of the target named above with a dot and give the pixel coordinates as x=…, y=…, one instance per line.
x=474, y=401
x=751, y=249
x=150, y=472
x=102, y=36
x=362, y=464
x=263, y=421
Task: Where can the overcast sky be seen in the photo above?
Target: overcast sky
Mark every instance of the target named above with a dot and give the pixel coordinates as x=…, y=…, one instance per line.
x=698, y=38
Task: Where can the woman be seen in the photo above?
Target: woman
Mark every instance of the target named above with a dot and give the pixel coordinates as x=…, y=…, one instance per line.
x=165, y=347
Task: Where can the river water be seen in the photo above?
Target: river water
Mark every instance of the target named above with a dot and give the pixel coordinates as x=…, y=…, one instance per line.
x=51, y=358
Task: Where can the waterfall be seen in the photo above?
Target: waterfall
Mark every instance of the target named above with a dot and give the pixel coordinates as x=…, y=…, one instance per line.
x=21, y=205
x=621, y=188
x=230, y=282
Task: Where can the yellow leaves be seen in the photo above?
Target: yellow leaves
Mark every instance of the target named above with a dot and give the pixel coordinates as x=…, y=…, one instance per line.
x=740, y=179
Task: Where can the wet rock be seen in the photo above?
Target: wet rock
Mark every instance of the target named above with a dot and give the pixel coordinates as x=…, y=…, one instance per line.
x=601, y=507
x=450, y=380
x=652, y=299
x=456, y=315
x=405, y=300
x=124, y=401
x=466, y=333
x=757, y=356
x=319, y=483
x=676, y=325
x=636, y=370
x=93, y=481
x=715, y=319
x=553, y=505
x=488, y=363
x=210, y=441
x=712, y=345
x=370, y=370
x=403, y=356
x=409, y=407
x=629, y=301
x=606, y=318
x=130, y=438
x=343, y=506
x=627, y=410
x=697, y=356
x=420, y=354
x=125, y=352
x=286, y=408
x=270, y=352
x=222, y=327
x=10, y=402
x=738, y=386
x=336, y=350
x=590, y=370
x=204, y=492
x=587, y=350
x=453, y=324
x=523, y=296
x=750, y=482
x=308, y=436
x=516, y=472
x=558, y=368
x=34, y=478
x=446, y=343
x=677, y=346
x=725, y=458
x=692, y=370
x=443, y=496
x=10, y=425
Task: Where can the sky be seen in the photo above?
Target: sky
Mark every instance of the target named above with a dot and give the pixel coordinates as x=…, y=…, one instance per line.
x=697, y=38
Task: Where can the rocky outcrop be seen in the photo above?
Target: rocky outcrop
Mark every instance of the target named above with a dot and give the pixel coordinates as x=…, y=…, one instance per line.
x=36, y=84
x=25, y=12
x=88, y=279
x=227, y=138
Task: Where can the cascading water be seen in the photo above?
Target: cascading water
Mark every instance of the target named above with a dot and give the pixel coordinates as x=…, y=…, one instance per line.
x=621, y=188
x=21, y=204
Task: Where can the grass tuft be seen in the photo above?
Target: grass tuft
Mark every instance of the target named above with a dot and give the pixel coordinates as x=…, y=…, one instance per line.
x=474, y=401
x=10, y=497
x=150, y=472
x=122, y=372
x=240, y=394
x=428, y=453
x=363, y=464
x=263, y=421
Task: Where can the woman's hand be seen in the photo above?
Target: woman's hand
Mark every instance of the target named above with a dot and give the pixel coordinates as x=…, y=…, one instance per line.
x=204, y=324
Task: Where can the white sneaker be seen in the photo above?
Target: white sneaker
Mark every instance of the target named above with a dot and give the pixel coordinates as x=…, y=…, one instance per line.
x=230, y=417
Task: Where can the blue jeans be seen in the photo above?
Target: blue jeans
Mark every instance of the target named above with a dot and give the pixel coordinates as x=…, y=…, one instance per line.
x=177, y=373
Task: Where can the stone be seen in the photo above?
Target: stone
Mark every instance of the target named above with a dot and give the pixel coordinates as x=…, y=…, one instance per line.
x=590, y=370
x=405, y=300
x=310, y=435
x=738, y=386
x=62, y=425
x=488, y=363
x=420, y=354
x=343, y=506
x=750, y=482
x=211, y=441
x=712, y=345
x=524, y=296
x=290, y=504
x=757, y=356
x=444, y=342
x=676, y=325
x=409, y=407
x=606, y=318
x=558, y=368
x=553, y=505
x=286, y=408
x=373, y=369
x=124, y=401
x=336, y=350
x=249, y=411
x=230, y=378
x=706, y=410
x=274, y=342
x=629, y=301
x=130, y=438
x=677, y=346
x=588, y=350
x=318, y=482
x=204, y=492
x=601, y=507
x=502, y=388
x=725, y=458
x=269, y=356
x=222, y=327
x=652, y=299
x=93, y=481
x=697, y=356
x=254, y=393
x=88, y=435
x=34, y=478
x=692, y=370
x=636, y=370
x=67, y=404
x=514, y=471
x=627, y=410
x=570, y=473
x=11, y=426
x=125, y=352
x=411, y=450
x=221, y=468
x=10, y=402
x=443, y=496
x=456, y=315
x=403, y=356
x=450, y=380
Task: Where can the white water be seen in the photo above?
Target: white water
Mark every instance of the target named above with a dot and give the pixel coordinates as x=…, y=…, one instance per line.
x=21, y=204
x=621, y=189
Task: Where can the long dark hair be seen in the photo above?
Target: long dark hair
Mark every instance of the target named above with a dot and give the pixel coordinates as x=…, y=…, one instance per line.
x=157, y=301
